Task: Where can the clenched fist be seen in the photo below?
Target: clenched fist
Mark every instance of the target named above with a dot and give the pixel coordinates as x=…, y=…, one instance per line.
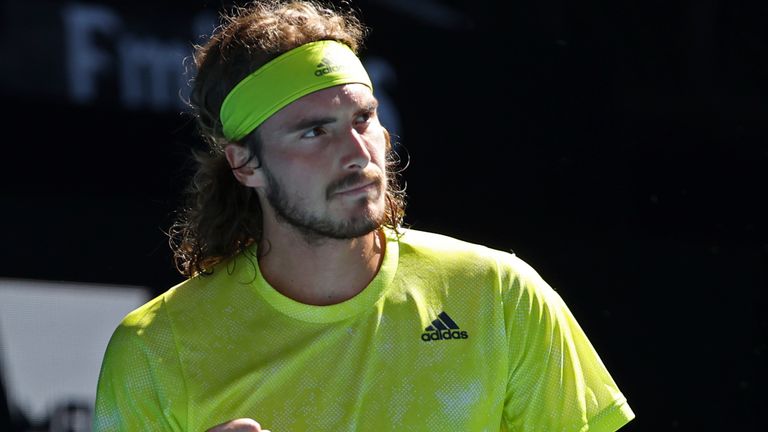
x=239, y=425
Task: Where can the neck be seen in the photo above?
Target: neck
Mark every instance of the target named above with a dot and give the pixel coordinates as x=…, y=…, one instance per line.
x=320, y=272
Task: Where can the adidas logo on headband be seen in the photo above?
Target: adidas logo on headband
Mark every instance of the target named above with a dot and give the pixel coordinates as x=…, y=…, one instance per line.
x=327, y=66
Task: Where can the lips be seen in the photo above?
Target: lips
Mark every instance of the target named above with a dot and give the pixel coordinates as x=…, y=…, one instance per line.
x=355, y=183
x=357, y=188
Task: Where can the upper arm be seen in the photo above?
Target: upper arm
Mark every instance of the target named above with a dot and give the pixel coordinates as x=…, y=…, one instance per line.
x=140, y=384
x=557, y=381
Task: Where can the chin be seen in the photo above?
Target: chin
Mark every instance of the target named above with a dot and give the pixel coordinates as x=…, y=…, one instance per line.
x=361, y=225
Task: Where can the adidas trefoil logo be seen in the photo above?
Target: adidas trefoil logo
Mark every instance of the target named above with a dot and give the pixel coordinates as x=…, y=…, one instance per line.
x=443, y=328
x=326, y=66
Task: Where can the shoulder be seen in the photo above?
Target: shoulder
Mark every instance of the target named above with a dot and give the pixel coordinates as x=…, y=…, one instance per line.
x=143, y=321
x=149, y=330
x=430, y=243
x=191, y=297
x=452, y=248
x=433, y=250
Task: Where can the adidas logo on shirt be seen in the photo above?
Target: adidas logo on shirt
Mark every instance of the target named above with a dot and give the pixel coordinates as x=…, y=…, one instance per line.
x=443, y=328
x=326, y=66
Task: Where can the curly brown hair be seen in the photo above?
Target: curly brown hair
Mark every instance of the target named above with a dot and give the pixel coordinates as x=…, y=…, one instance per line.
x=221, y=217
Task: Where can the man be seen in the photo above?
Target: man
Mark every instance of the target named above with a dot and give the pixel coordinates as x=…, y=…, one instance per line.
x=308, y=305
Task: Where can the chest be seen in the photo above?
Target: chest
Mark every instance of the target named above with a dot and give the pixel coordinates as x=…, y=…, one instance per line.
x=395, y=366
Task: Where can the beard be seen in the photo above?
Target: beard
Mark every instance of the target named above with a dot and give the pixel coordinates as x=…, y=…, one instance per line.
x=317, y=227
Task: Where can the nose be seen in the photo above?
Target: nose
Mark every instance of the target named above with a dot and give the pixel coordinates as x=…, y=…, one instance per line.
x=356, y=153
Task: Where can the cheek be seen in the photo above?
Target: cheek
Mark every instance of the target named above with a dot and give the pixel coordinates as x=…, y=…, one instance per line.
x=379, y=147
x=379, y=159
x=287, y=168
x=301, y=181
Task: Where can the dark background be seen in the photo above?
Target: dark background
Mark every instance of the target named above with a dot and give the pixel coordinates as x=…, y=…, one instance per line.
x=618, y=147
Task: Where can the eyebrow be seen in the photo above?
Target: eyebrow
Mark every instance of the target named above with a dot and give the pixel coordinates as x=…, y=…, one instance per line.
x=372, y=105
x=309, y=122
x=306, y=123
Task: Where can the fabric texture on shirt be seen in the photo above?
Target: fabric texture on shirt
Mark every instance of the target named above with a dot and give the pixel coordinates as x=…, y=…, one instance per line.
x=448, y=336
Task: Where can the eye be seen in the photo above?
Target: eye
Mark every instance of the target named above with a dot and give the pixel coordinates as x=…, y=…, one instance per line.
x=364, y=118
x=314, y=132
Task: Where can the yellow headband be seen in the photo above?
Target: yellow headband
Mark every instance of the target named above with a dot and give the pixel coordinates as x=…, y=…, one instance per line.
x=296, y=73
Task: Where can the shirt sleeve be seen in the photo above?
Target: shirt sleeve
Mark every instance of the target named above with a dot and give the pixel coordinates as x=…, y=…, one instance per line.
x=557, y=382
x=141, y=387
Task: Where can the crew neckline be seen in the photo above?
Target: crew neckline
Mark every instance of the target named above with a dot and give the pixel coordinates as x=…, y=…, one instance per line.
x=361, y=302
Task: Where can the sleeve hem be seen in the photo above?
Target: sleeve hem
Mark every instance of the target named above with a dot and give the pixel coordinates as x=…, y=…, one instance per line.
x=612, y=418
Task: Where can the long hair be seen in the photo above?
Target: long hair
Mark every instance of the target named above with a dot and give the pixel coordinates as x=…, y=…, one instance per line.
x=222, y=217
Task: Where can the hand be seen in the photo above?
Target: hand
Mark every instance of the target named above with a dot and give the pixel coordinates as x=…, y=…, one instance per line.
x=239, y=425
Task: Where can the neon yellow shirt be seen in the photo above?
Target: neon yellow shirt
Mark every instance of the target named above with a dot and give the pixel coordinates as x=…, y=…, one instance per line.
x=448, y=336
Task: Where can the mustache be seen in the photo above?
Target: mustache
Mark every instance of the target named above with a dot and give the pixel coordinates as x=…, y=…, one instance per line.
x=355, y=179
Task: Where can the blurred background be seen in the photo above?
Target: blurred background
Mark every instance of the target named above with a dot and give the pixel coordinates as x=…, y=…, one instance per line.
x=618, y=147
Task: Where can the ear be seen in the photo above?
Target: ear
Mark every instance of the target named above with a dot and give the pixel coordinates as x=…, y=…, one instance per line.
x=246, y=172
